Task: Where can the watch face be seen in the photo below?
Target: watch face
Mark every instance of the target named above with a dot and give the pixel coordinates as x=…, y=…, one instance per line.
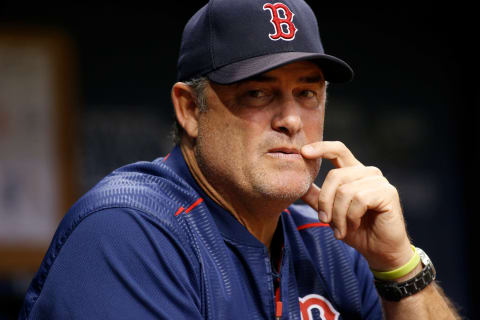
x=425, y=259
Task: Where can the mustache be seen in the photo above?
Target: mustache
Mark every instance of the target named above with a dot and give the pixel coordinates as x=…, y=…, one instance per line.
x=273, y=142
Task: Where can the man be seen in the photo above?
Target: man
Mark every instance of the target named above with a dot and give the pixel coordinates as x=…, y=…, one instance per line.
x=209, y=231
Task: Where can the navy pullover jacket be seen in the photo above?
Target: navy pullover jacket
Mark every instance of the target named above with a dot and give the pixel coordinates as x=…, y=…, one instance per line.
x=147, y=243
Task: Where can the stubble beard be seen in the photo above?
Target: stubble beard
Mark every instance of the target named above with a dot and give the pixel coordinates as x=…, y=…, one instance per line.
x=259, y=179
x=261, y=182
x=275, y=186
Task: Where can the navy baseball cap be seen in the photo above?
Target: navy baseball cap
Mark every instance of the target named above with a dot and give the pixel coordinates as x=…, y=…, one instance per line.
x=232, y=40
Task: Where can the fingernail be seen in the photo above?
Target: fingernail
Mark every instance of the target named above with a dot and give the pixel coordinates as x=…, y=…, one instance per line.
x=322, y=216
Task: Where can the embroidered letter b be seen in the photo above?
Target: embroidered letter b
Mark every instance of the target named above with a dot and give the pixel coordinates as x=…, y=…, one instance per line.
x=284, y=27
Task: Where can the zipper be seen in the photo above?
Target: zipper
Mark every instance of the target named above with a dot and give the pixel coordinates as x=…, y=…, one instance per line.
x=278, y=301
x=277, y=272
x=277, y=284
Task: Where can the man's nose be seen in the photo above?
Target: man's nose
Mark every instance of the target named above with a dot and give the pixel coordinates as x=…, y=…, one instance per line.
x=287, y=118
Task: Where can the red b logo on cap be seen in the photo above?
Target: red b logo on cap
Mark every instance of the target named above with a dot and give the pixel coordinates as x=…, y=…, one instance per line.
x=284, y=27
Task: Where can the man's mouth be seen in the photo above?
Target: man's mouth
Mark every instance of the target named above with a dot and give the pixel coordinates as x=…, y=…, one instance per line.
x=285, y=153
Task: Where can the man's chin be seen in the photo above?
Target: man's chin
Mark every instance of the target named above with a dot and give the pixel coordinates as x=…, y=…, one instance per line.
x=284, y=190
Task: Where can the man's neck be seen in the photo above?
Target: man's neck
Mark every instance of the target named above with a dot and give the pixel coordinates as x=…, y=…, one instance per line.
x=260, y=220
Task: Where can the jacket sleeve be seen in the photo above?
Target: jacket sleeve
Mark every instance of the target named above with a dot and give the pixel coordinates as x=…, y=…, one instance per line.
x=121, y=264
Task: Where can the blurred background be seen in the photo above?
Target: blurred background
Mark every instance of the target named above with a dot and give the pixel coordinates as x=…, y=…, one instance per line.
x=85, y=89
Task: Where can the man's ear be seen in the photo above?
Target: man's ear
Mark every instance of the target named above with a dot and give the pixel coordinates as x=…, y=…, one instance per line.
x=186, y=109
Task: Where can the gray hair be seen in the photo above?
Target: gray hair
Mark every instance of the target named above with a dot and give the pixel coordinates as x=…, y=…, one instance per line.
x=198, y=86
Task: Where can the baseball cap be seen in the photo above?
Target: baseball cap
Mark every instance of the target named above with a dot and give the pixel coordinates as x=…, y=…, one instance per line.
x=231, y=40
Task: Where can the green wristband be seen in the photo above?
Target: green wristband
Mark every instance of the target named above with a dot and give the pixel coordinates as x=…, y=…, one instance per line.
x=401, y=271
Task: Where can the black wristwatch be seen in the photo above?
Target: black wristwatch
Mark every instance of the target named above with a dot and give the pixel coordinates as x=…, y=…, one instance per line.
x=396, y=291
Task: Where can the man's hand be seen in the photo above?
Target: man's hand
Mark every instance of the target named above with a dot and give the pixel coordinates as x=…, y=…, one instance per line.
x=362, y=207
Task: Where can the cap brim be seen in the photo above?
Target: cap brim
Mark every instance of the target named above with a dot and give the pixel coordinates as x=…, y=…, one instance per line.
x=334, y=69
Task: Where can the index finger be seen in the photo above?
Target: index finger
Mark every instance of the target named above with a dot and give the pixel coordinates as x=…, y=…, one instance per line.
x=334, y=151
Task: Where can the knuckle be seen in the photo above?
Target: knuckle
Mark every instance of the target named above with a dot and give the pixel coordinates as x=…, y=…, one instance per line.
x=339, y=145
x=342, y=149
x=333, y=176
x=393, y=190
x=375, y=170
x=385, y=180
x=334, y=172
x=382, y=180
x=360, y=199
x=343, y=191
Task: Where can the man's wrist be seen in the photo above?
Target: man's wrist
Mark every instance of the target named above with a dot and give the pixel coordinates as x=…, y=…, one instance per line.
x=418, y=268
x=413, y=282
x=387, y=260
x=400, y=272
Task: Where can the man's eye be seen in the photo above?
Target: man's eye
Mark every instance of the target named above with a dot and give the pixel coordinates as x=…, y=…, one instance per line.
x=307, y=94
x=256, y=94
x=256, y=97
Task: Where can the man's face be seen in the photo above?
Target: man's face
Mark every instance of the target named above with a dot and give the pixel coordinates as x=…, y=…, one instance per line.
x=249, y=138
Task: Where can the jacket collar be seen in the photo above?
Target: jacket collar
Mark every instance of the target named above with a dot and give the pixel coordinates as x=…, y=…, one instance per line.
x=230, y=228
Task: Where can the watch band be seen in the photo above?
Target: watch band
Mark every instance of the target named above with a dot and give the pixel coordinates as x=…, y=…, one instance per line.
x=395, y=291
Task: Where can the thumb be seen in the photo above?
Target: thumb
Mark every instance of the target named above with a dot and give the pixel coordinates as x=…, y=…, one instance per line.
x=311, y=197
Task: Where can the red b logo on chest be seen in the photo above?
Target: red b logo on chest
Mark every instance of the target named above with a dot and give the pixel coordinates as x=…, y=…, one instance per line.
x=322, y=305
x=282, y=22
